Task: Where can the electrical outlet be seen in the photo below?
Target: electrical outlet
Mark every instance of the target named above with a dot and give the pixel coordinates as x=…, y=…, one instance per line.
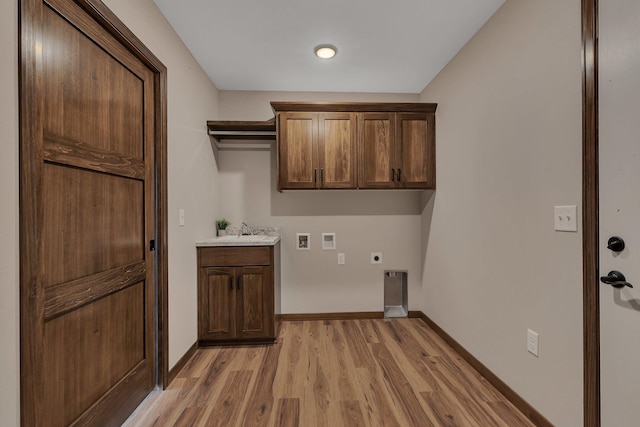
x=341, y=259
x=532, y=342
x=376, y=257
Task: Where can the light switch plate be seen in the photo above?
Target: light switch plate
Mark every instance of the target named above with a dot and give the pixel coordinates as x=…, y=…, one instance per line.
x=566, y=218
x=341, y=259
x=181, y=217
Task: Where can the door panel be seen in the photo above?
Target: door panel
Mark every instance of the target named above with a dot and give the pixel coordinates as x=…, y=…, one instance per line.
x=337, y=150
x=108, y=333
x=253, y=298
x=619, y=179
x=105, y=234
x=298, y=145
x=218, y=317
x=377, y=150
x=415, y=149
x=89, y=319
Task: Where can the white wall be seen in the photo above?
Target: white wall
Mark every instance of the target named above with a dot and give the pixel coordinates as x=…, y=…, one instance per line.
x=508, y=150
x=9, y=262
x=364, y=221
x=192, y=185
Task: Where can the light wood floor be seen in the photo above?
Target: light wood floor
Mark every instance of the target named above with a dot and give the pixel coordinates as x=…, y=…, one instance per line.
x=332, y=373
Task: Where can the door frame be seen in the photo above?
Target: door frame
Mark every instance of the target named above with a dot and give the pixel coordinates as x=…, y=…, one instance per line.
x=30, y=22
x=590, y=215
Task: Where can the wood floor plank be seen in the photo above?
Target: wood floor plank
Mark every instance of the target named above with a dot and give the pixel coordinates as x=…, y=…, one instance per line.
x=260, y=406
x=352, y=414
x=397, y=382
x=408, y=353
x=227, y=408
x=378, y=373
x=288, y=412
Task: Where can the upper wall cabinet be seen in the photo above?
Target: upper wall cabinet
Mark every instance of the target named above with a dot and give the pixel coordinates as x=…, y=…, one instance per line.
x=355, y=145
x=317, y=150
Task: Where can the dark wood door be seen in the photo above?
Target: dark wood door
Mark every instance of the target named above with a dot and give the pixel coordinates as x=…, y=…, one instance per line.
x=254, y=302
x=415, y=150
x=88, y=270
x=298, y=150
x=217, y=314
x=337, y=158
x=376, y=135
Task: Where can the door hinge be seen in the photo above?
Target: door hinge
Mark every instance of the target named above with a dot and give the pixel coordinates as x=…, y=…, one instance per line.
x=152, y=245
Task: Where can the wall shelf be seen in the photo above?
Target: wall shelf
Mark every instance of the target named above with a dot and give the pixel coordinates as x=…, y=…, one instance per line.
x=242, y=134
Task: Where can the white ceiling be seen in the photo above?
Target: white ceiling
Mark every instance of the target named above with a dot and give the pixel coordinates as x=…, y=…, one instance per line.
x=383, y=45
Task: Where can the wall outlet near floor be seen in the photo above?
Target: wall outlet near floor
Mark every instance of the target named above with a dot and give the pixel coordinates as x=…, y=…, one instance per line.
x=532, y=342
x=376, y=257
x=341, y=259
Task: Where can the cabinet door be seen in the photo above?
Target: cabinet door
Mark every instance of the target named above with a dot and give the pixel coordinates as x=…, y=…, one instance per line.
x=254, y=302
x=298, y=150
x=217, y=301
x=415, y=150
x=376, y=134
x=337, y=150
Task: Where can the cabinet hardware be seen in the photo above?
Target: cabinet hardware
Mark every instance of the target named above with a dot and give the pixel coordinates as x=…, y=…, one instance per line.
x=393, y=175
x=315, y=174
x=399, y=172
x=230, y=283
x=322, y=175
x=238, y=283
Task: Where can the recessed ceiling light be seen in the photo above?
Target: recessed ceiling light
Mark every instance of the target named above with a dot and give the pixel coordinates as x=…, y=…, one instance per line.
x=325, y=51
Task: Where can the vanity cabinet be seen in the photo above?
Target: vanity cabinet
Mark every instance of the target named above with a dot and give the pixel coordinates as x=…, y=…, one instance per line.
x=238, y=293
x=317, y=150
x=355, y=145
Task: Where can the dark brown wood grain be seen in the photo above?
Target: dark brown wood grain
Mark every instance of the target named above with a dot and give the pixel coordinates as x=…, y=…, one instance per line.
x=415, y=150
x=71, y=295
x=297, y=150
x=237, y=299
x=91, y=101
x=234, y=255
x=340, y=107
x=590, y=214
x=337, y=150
x=242, y=130
x=377, y=150
x=73, y=153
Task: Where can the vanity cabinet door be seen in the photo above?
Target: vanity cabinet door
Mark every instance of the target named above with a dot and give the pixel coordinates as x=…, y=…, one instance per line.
x=254, y=302
x=216, y=308
x=298, y=151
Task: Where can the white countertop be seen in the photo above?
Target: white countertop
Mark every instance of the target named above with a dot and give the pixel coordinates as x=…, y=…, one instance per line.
x=233, y=240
